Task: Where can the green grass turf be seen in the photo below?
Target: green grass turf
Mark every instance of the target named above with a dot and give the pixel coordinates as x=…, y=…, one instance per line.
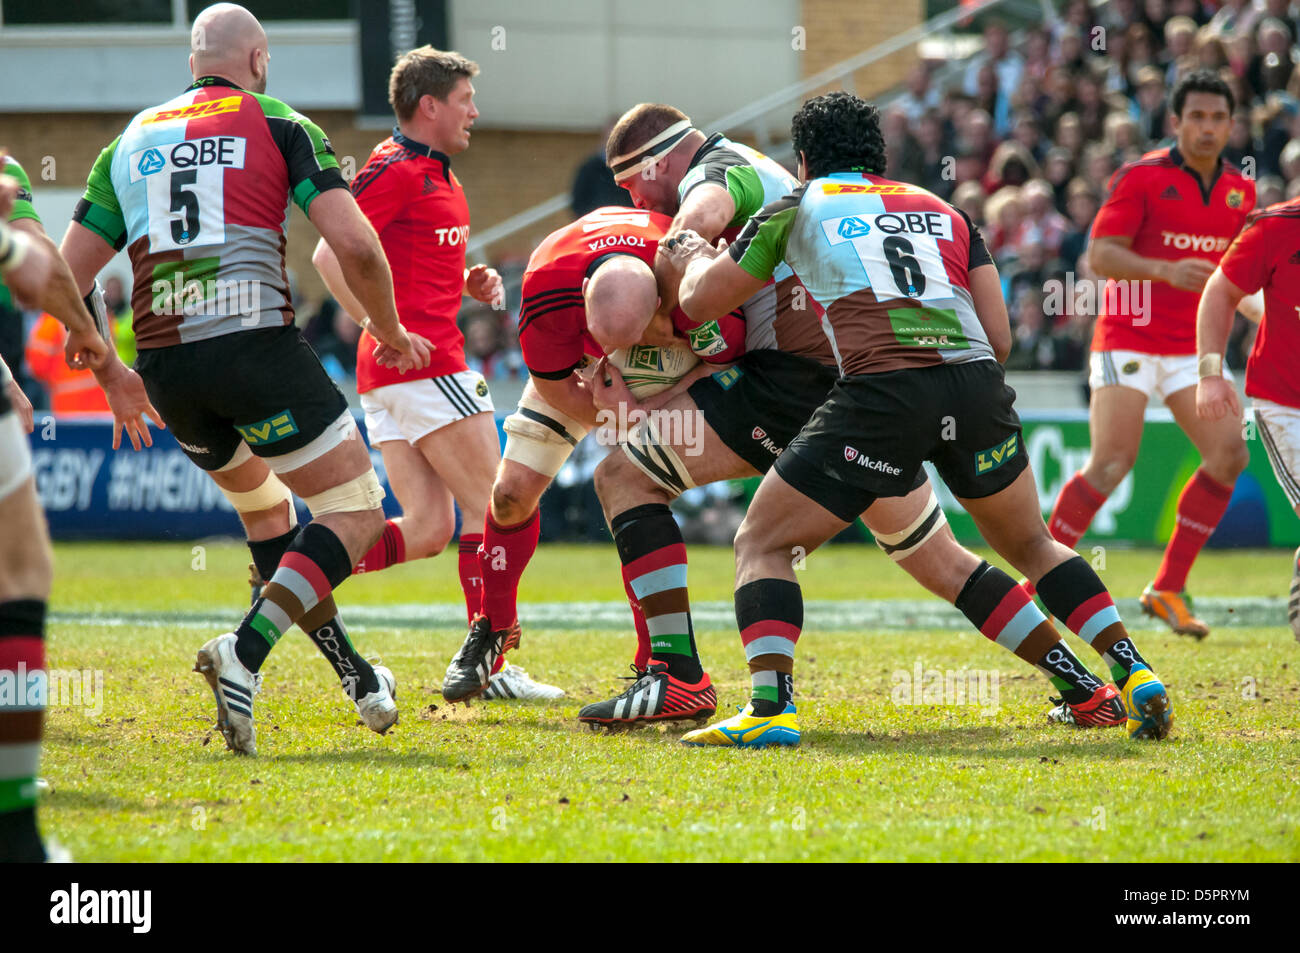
x=148, y=779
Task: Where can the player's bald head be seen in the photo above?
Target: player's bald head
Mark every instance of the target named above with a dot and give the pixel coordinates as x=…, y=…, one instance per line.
x=228, y=41
x=621, y=297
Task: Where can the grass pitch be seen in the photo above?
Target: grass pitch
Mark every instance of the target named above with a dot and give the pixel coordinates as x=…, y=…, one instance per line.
x=889, y=768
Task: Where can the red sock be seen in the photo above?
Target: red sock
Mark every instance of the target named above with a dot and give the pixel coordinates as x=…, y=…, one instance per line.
x=1075, y=507
x=471, y=578
x=1200, y=507
x=502, y=559
x=389, y=551
x=638, y=619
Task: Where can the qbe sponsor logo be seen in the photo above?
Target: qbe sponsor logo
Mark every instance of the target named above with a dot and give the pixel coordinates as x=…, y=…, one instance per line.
x=208, y=152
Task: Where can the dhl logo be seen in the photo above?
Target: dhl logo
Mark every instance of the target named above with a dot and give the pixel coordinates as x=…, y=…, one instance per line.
x=213, y=107
x=839, y=188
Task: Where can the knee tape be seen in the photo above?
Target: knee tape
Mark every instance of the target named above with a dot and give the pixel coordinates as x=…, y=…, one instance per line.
x=354, y=496
x=269, y=494
x=541, y=445
x=659, y=462
x=902, y=544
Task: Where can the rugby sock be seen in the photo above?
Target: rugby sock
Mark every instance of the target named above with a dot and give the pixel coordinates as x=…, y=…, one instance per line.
x=356, y=674
x=769, y=613
x=22, y=710
x=314, y=564
x=471, y=576
x=653, y=553
x=1075, y=507
x=502, y=560
x=638, y=621
x=1004, y=612
x=772, y=689
x=1073, y=592
x=389, y=551
x=1200, y=507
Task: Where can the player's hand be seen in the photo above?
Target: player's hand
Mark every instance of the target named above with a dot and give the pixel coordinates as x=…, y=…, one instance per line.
x=484, y=284
x=1216, y=396
x=85, y=349
x=130, y=404
x=608, y=389
x=22, y=406
x=685, y=246
x=1190, y=274
x=406, y=352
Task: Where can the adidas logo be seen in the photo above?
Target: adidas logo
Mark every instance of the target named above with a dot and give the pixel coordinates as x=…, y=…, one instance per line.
x=429, y=184
x=1169, y=193
x=1295, y=258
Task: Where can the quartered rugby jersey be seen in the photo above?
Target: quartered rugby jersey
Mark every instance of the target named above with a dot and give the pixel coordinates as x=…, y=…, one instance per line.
x=553, y=331
x=417, y=205
x=1266, y=254
x=753, y=180
x=1165, y=208
x=198, y=191
x=888, y=264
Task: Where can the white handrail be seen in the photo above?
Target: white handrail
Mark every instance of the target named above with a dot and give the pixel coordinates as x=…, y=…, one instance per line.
x=755, y=110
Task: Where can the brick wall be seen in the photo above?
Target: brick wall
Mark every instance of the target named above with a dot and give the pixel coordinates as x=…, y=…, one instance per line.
x=838, y=29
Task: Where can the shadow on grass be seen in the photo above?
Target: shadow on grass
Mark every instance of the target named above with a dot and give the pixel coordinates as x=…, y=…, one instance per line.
x=375, y=756
x=984, y=743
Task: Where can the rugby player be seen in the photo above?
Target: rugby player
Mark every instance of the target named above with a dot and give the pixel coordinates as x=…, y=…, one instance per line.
x=1264, y=256
x=589, y=289
x=434, y=427
x=912, y=312
x=750, y=412
x=711, y=186
x=1164, y=226
x=197, y=189
x=31, y=268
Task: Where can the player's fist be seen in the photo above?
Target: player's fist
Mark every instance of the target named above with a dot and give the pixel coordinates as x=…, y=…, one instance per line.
x=484, y=284
x=1216, y=396
x=85, y=349
x=1190, y=274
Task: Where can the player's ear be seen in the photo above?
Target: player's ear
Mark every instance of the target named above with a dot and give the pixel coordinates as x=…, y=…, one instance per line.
x=585, y=281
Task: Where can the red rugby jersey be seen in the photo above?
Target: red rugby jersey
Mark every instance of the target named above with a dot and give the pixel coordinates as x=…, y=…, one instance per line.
x=1163, y=206
x=1267, y=255
x=417, y=205
x=553, y=331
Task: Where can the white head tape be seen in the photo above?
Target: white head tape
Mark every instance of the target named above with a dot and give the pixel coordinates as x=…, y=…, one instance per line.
x=630, y=163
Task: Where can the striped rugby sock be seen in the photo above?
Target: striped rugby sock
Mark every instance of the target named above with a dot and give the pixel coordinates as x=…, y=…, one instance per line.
x=22, y=711
x=503, y=557
x=770, y=688
x=654, y=560
x=769, y=613
x=1075, y=507
x=331, y=638
x=471, y=576
x=389, y=550
x=1004, y=613
x=1201, y=505
x=314, y=564
x=1073, y=592
x=642, y=658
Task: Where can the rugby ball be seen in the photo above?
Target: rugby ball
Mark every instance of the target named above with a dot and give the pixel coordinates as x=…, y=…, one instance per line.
x=649, y=369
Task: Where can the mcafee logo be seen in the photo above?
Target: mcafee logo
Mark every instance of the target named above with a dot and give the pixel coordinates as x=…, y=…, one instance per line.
x=850, y=454
x=759, y=433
